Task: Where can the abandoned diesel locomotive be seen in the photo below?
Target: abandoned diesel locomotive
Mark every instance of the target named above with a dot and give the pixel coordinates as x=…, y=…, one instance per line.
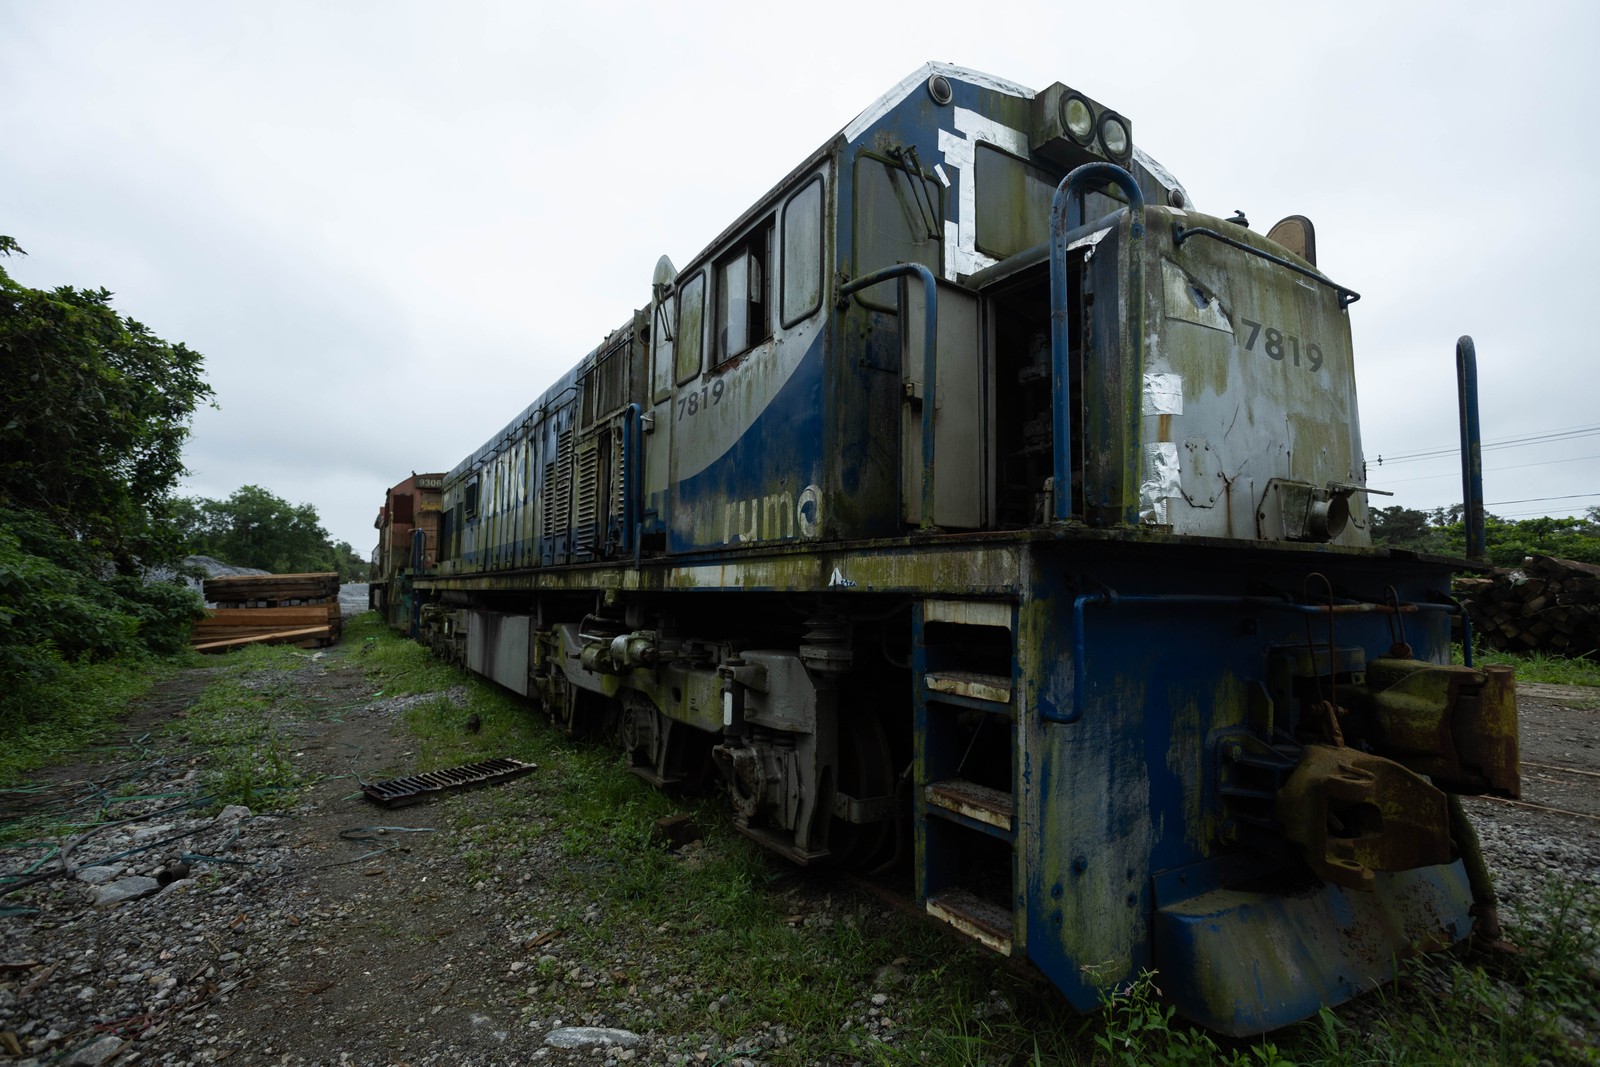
x=973, y=504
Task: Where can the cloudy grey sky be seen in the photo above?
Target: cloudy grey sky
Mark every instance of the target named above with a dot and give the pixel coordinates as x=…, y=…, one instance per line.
x=388, y=225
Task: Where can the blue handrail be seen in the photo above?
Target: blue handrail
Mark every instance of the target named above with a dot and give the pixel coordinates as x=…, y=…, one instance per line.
x=630, y=478
x=1061, y=342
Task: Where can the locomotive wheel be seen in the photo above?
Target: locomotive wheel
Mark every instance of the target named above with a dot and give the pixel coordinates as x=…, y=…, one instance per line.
x=640, y=732
x=577, y=717
x=866, y=769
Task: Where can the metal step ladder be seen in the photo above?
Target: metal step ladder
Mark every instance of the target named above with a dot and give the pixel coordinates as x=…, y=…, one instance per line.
x=964, y=692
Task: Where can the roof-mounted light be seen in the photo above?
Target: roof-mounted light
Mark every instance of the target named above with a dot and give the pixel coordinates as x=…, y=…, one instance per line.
x=1069, y=129
x=1077, y=118
x=939, y=88
x=1114, y=136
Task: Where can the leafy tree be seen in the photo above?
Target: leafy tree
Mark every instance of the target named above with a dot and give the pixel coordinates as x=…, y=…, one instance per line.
x=1398, y=527
x=1507, y=541
x=349, y=563
x=94, y=412
x=257, y=528
x=1568, y=538
x=55, y=603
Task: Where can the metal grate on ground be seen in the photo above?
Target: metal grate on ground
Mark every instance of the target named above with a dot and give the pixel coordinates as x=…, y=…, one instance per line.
x=413, y=789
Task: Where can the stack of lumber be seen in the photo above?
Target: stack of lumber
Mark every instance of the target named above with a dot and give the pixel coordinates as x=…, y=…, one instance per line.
x=301, y=609
x=1547, y=605
x=271, y=590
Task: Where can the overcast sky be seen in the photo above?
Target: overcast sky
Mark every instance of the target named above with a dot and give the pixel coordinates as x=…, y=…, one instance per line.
x=388, y=225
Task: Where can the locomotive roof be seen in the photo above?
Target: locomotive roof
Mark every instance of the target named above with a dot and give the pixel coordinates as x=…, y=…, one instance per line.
x=859, y=125
x=852, y=130
x=882, y=106
x=916, y=80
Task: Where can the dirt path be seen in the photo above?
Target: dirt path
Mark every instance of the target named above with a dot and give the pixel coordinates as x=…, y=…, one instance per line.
x=311, y=939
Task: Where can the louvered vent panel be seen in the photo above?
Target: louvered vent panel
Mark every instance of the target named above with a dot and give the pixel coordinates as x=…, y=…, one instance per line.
x=558, y=488
x=547, y=502
x=588, y=524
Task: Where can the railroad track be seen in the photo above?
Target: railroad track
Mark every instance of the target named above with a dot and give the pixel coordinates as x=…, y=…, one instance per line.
x=1546, y=772
x=1536, y=806
x=1562, y=769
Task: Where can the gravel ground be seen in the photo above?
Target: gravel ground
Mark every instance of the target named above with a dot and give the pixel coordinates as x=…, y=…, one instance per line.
x=352, y=598
x=259, y=939
x=1525, y=843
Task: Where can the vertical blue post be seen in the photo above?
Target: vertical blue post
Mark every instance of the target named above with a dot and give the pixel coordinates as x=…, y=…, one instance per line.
x=1471, y=449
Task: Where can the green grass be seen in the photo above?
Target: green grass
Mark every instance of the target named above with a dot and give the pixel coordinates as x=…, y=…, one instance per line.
x=246, y=760
x=403, y=666
x=727, y=921
x=1539, y=667
x=727, y=914
x=1529, y=1008
x=82, y=705
x=250, y=658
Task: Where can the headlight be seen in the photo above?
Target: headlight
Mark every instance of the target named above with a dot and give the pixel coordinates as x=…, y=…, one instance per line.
x=1078, y=118
x=1114, y=135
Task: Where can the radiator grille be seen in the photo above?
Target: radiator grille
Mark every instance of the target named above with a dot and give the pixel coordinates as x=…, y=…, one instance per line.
x=558, y=488
x=588, y=525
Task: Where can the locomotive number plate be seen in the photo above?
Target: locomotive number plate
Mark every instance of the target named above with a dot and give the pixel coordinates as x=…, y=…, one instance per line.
x=1281, y=346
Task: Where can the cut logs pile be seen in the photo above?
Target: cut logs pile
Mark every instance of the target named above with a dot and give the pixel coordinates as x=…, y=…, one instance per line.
x=271, y=609
x=1547, y=605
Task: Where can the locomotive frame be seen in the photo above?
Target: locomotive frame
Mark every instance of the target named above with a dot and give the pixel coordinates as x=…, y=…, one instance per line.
x=973, y=505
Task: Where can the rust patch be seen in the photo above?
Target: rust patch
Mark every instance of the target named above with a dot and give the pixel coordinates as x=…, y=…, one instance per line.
x=988, y=924
x=977, y=802
x=991, y=687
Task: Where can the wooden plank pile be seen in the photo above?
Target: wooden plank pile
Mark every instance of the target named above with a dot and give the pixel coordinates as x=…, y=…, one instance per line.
x=301, y=609
x=1547, y=605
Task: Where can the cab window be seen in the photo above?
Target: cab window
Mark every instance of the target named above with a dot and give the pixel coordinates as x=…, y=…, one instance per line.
x=744, y=311
x=1013, y=203
x=897, y=220
x=802, y=253
x=691, y=318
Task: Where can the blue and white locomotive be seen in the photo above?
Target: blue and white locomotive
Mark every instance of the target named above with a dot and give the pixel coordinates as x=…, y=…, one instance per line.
x=973, y=505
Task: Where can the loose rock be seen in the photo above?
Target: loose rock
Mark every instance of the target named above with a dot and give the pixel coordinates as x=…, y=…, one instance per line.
x=590, y=1036
x=124, y=889
x=94, y=1054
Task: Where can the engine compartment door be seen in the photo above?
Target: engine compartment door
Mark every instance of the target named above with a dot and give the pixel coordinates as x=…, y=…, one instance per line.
x=961, y=398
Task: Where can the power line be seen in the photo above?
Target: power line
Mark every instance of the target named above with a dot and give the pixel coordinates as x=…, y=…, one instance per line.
x=1488, y=470
x=1570, y=433
x=1537, y=499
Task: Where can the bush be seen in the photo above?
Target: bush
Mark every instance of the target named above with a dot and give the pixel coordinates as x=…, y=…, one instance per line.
x=58, y=607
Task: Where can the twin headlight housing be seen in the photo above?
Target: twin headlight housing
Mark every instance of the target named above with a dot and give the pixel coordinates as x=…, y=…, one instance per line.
x=1085, y=126
x=1070, y=128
